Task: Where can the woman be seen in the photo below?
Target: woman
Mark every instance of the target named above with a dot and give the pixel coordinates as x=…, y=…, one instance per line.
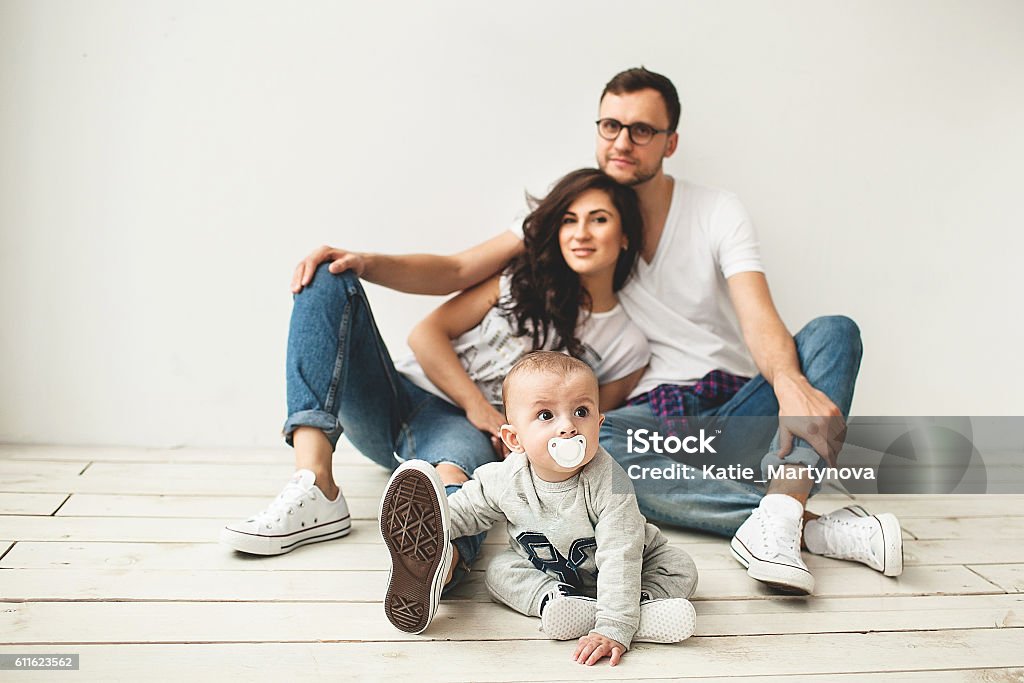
x=581, y=243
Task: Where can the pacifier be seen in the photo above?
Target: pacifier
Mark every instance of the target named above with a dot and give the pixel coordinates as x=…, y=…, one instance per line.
x=568, y=452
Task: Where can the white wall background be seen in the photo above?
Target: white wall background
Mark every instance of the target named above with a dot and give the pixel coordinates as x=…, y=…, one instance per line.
x=164, y=165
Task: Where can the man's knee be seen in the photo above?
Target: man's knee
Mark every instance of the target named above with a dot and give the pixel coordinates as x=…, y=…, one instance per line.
x=834, y=332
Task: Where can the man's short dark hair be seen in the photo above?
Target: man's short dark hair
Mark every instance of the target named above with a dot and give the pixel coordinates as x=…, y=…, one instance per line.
x=634, y=80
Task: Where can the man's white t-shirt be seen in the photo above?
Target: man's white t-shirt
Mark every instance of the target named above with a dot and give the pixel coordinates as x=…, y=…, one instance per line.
x=613, y=346
x=681, y=298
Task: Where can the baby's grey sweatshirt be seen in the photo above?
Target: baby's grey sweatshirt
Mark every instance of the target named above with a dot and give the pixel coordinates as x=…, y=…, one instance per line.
x=586, y=531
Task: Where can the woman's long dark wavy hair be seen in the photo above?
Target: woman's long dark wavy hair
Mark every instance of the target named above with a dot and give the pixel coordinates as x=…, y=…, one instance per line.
x=547, y=295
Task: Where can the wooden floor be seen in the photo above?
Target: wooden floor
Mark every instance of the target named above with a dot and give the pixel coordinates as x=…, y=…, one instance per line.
x=112, y=553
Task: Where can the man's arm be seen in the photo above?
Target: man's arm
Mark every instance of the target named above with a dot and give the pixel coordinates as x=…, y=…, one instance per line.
x=803, y=410
x=415, y=273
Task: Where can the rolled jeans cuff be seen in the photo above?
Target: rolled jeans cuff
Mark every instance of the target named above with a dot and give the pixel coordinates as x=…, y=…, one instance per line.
x=323, y=421
x=800, y=455
x=466, y=546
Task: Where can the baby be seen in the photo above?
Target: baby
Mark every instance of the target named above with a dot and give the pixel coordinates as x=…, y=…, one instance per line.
x=581, y=556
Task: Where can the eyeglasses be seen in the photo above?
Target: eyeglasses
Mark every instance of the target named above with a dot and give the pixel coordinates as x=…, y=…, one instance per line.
x=639, y=133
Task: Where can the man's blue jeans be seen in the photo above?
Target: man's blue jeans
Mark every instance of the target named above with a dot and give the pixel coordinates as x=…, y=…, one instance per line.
x=340, y=377
x=829, y=350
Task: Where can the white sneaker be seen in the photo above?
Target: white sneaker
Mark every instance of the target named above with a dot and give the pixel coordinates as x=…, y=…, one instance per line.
x=853, y=533
x=666, y=620
x=768, y=545
x=299, y=515
x=416, y=530
x=564, y=616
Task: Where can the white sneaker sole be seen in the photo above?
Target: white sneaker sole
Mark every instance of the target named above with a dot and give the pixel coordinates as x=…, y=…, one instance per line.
x=415, y=527
x=780, y=576
x=569, y=617
x=669, y=620
x=260, y=544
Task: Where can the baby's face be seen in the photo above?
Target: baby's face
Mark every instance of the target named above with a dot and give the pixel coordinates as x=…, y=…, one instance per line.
x=544, y=405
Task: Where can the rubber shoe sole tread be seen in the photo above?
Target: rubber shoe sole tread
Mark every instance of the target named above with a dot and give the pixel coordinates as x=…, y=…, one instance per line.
x=414, y=525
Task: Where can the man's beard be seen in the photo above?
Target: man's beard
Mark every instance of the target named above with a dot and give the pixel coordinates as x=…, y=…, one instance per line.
x=642, y=178
x=638, y=179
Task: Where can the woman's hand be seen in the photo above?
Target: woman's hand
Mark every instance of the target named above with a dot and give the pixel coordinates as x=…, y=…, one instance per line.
x=488, y=420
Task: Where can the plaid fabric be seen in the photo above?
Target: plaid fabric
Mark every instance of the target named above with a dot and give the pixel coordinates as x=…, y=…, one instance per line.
x=714, y=388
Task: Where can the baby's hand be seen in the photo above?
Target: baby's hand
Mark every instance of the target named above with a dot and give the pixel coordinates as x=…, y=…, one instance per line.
x=593, y=647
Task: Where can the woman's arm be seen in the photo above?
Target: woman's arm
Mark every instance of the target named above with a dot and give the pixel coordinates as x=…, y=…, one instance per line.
x=613, y=394
x=431, y=341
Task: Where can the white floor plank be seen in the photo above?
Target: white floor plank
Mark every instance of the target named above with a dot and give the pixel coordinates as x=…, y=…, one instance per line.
x=366, y=586
x=337, y=555
x=105, y=505
x=1009, y=577
x=910, y=506
x=224, y=474
x=1006, y=528
x=343, y=554
x=815, y=654
x=962, y=551
x=196, y=530
x=370, y=484
x=117, y=529
x=852, y=580
x=211, y=622
x=915, y=553
x=136, y=584
x=345, y=455
x=978, y=675
x=46, y=468
x=30, y=503
x=361, y=507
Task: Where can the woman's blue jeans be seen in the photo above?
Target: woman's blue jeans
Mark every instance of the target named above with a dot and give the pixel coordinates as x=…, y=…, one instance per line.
x=829, y=350
x=341, y=378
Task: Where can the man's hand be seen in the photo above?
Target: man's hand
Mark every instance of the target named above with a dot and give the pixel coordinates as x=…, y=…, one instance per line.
x=488, y=420
x=811, y=415
x=593, y=647
x=341, y=260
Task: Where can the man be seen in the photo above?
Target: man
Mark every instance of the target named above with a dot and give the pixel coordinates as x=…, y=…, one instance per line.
x=701, y=295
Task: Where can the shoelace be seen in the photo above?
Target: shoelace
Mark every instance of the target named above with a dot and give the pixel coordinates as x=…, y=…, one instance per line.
x=283, y=505
x=781, y=535
x=848, y=540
